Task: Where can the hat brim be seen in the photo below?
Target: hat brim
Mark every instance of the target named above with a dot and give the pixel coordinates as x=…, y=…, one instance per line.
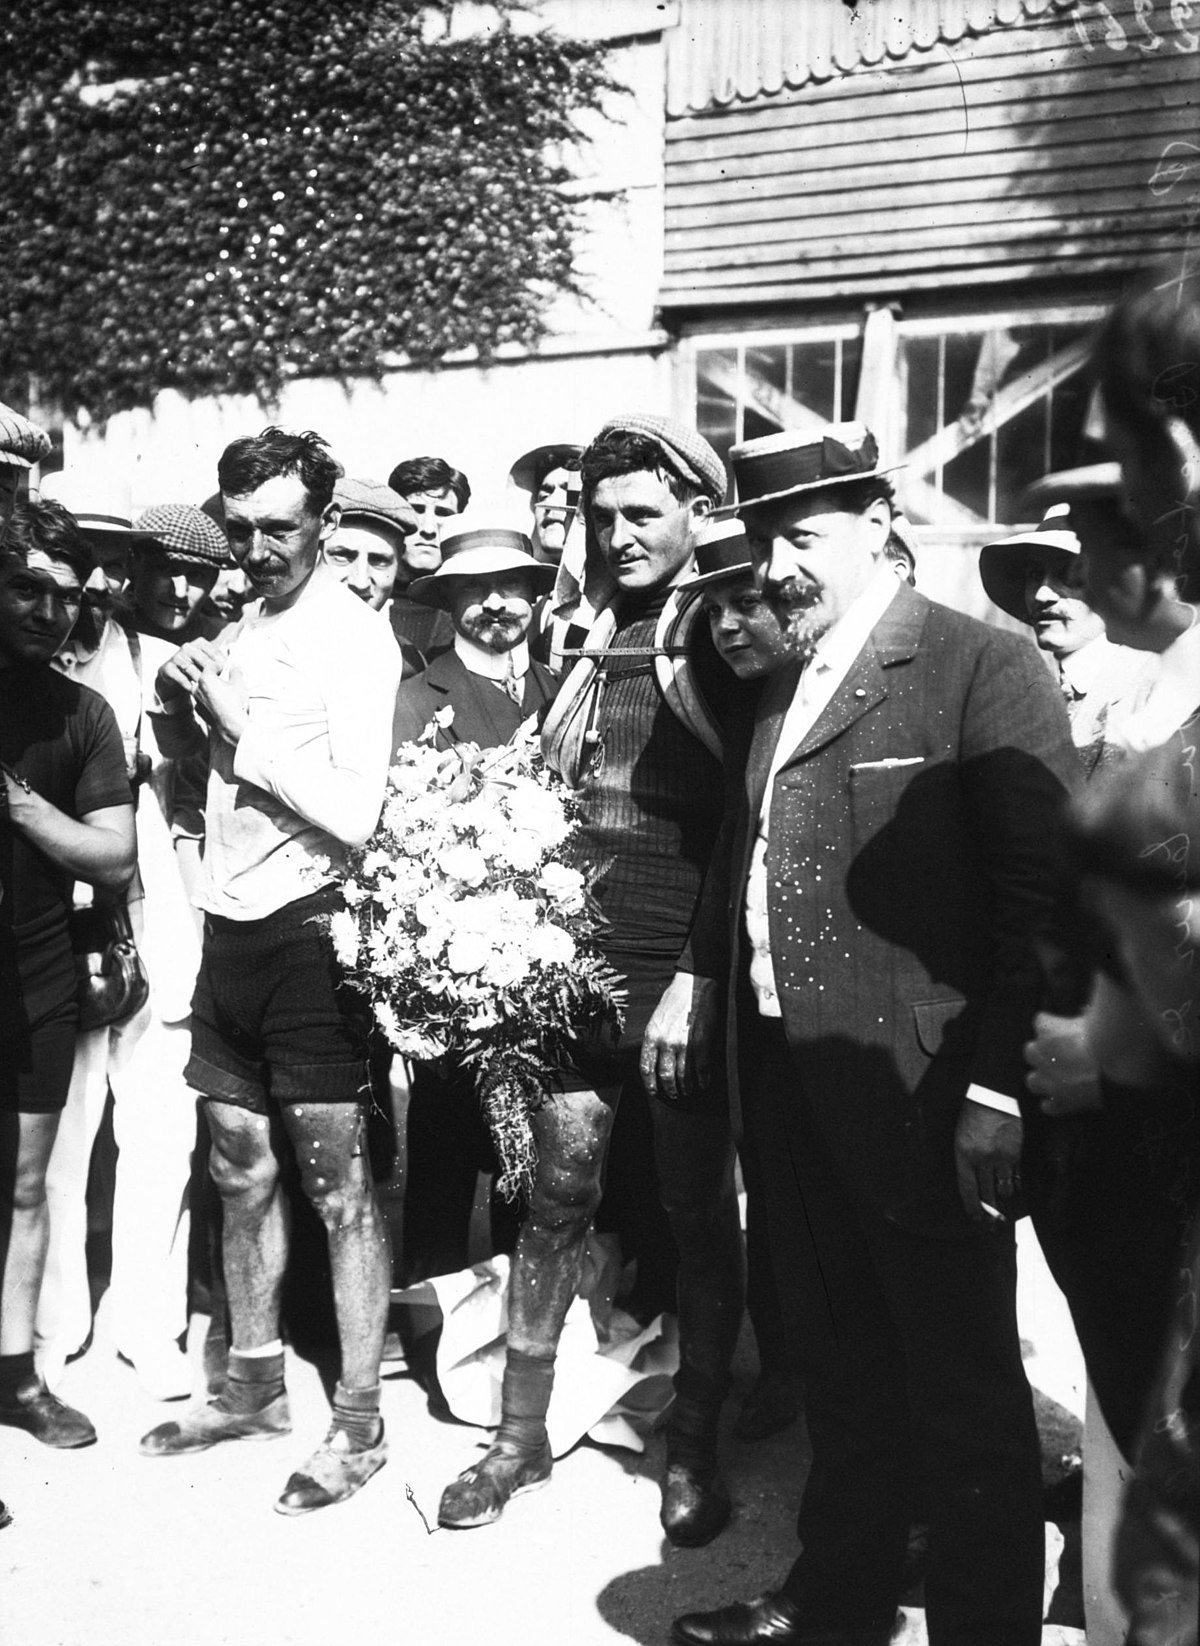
x=434, y=589
x=402, y=528
x=1093, y=480
x=1002, y=569
x=532, y=467
x=742, y=508
x=723, y=574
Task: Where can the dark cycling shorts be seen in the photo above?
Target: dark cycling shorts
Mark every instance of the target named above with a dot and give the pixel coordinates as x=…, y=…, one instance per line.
x=272, y=1022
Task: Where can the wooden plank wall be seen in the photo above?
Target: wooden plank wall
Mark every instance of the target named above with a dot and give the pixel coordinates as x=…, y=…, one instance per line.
x=1022, y=154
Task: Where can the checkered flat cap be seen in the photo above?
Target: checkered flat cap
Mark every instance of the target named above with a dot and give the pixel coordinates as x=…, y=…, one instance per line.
x=22, y=443
x=186, y=533
x=685, y=450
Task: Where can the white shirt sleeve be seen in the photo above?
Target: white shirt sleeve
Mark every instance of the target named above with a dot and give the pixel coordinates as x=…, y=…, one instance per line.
x=332, y=769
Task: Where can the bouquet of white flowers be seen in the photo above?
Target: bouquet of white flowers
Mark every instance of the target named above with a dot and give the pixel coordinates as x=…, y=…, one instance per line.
x=472, y=932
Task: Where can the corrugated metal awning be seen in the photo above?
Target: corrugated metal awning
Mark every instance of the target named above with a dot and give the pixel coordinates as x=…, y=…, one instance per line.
x=725, y=50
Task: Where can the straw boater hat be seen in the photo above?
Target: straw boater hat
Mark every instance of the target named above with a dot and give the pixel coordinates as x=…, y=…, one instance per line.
x=22, y=443
x=722, y=554
x=1003, y=565
x=532, y=467
x=371, y=500
x=796, y=460
x=480, y=551
x=186, y=534
x=100, y=505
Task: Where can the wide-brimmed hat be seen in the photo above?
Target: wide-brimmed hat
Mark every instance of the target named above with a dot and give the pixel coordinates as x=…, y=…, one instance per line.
x=1003, y=565
x=1093, y=482
x=22, y=443
x=185, y=533
x=722, y=554
x=372, y=500
x=479, y=551
x=685, y=449
x=532, y=467
x=797, y=460
x=102, y=505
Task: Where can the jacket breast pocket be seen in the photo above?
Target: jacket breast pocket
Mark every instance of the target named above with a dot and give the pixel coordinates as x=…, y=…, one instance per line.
x=876, y=792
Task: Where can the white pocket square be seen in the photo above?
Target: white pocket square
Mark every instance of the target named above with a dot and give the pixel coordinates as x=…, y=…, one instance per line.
x=888, y=765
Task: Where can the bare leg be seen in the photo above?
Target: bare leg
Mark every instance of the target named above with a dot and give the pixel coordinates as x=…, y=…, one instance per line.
x=330, y=1144
x=245, y=1169
x=25, y=1403
x=572, y=1131
x=27, y=1140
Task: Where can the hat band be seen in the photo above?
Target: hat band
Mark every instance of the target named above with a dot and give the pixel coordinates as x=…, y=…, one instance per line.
x=767, y=473
x=87, y=517
x=727, y=554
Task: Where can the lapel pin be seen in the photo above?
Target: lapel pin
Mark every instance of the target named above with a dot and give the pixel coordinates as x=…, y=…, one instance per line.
x=860, y=692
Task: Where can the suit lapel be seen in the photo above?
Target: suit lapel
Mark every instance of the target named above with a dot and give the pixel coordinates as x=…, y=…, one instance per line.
x=894, y=639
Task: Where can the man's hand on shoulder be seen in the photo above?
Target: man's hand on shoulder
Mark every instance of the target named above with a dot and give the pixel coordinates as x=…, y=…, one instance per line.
x=987, y=1157
x=677, y=1046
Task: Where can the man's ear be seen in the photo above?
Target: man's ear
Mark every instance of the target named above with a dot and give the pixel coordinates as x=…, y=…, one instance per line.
x=700, y=508
x=878, y=520
x=331, y=515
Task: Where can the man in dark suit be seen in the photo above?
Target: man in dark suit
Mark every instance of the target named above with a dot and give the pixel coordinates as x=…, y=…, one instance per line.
x=487, y=583
x=487, y=586
x=873, y=904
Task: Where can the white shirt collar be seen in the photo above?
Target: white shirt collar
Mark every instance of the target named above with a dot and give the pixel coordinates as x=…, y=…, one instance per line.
x=838, y=648
x=492, y=665
x=1084, y=669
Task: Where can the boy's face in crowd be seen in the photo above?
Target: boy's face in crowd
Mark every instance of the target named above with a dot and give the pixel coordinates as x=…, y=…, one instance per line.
x=422, y=551
x=166, y=592
x=39, y=605
x=366, y=556
x=744, y=629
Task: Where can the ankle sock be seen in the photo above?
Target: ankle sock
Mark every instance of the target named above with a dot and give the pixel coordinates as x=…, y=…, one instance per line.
x=525, y=1398
x=356, y=1413
x=254, y=1381
x=15, y=1370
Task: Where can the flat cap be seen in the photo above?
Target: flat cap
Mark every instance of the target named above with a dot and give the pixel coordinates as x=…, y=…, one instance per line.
x=186, y=533
x=377, y=502
x=22, y=443
x=686, y=451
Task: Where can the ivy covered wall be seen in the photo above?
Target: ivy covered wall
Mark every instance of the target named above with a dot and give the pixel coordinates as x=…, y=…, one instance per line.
x=211, y=195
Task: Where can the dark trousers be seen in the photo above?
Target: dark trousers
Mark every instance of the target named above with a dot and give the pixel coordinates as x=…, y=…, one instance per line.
x=1111, y=1196
x=909, y=1350
x=693, y=1179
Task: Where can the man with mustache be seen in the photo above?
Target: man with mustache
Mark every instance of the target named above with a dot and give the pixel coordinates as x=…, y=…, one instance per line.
x=1037, y=576
x=872, y=908
x=298, y=701
x=488, y=583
